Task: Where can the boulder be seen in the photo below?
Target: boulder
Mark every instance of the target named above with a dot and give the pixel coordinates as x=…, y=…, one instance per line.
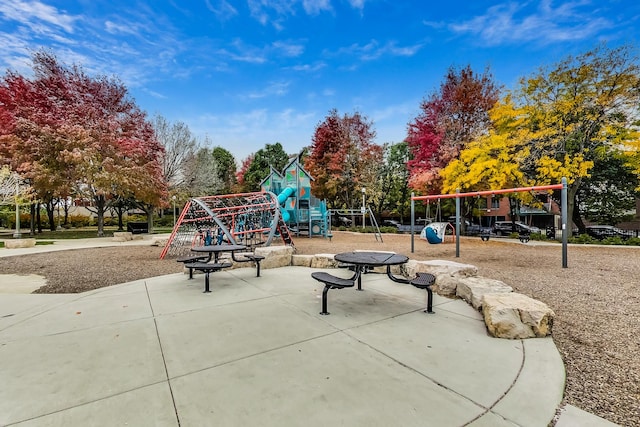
x=160, y=241
x=516, y=316
x=445, y=285
x=324, y=261
x=19, y=243
x=472, y=289
x=275, y=256
x=440, y=267
x=448, y=273
x=122, y=236
x=301, y=260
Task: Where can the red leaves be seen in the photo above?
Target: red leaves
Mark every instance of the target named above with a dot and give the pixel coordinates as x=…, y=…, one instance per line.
x=343, y=158
x=449, y=120
x=85, y=129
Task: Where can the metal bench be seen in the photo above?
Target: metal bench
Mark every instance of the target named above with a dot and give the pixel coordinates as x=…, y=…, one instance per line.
x=207, y=268
x=424, y=281
x=330, y=282
x=191, y=259
x=249, y=258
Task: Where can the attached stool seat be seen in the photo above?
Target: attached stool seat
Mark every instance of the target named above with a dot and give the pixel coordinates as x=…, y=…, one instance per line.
x=424, y=281
x=330, y=282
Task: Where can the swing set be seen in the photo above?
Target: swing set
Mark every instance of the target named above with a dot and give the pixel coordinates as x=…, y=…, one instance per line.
x=457, y=196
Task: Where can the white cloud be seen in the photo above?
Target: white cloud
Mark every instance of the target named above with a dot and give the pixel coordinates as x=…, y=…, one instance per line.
x=222, y=9
x=273, y=89
x=373, y=50
x=31, y=13
x=309, y=67
x=514, y=22
x=288, y=49
x=314, y=7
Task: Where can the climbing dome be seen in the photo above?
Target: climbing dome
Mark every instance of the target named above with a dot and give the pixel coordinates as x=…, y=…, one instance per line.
x=249, y=219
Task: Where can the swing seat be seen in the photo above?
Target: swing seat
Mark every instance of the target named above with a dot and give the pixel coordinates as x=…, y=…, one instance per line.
x=435, y=232
x=432, y=236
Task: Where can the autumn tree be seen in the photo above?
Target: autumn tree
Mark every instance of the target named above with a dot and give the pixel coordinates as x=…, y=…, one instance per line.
x=578, y=113
x=450, y=119
x=67, y=132
x=343, y=159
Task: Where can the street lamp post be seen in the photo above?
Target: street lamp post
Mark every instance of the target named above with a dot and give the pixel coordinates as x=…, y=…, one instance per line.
x=59, y=226
x=17, y=234
x=174, y=210
x=364, y=209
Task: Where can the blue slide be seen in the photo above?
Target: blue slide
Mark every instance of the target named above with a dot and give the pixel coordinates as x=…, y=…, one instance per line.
x=282, y=197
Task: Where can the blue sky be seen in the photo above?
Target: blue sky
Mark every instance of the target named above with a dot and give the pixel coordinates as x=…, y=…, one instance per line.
x=253, y=72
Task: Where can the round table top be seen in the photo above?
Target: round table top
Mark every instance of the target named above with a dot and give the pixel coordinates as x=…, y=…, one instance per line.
x=371, y=258
x=218, y=248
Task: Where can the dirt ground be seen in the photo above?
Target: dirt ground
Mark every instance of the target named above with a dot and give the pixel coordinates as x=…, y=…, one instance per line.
x=595, y=299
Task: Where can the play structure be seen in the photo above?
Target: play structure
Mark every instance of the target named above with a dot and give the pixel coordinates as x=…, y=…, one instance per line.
x=303, y=213
x=249, y=219
x=457, y=196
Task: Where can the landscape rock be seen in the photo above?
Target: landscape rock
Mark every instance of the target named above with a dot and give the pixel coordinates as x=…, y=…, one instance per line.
x=445, y=285
x=440, y=267
x=324, y=261
x=275, y=256
x=472, y=289
x=516, y=316
x=19, y=243
x=301, y=260
x=122, y=236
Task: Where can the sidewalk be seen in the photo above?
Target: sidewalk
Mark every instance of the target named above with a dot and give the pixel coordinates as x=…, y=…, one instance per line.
x=255, y=351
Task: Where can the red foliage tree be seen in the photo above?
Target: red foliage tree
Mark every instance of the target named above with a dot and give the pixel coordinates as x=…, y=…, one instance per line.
x=449, y=120
x=343, y=158
x=71, y=133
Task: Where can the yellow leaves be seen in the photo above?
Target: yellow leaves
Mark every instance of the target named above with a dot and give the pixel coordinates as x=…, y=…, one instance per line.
x=488, y=163
x=552, y=170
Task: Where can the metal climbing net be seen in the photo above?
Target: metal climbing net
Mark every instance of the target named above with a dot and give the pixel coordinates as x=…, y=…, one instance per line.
x=250, y=219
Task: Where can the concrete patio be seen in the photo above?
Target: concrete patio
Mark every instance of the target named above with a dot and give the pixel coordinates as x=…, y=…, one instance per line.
x=256, y=351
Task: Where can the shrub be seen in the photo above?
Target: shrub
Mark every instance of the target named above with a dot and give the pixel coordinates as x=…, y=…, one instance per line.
x=583, y=239
x=633, y=241
x=78, y=221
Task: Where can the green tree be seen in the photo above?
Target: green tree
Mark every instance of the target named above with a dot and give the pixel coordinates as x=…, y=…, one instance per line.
x=272, y=155
x=609, y=193
x=225, y=165
x=393, y=181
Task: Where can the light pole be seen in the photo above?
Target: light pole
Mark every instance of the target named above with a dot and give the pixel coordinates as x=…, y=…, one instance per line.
x=364, y=209
x=59, y=226
x=17, y=234
x=174, y=210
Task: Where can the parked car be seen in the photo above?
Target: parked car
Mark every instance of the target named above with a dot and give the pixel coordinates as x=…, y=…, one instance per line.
x=601, y=232
x=503, y=228
x=391, y=223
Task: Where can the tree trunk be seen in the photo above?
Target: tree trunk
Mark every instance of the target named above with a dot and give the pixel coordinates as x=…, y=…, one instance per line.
x=49, y=207
x=100, y=209
x=572, y=192
x=32, y=225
